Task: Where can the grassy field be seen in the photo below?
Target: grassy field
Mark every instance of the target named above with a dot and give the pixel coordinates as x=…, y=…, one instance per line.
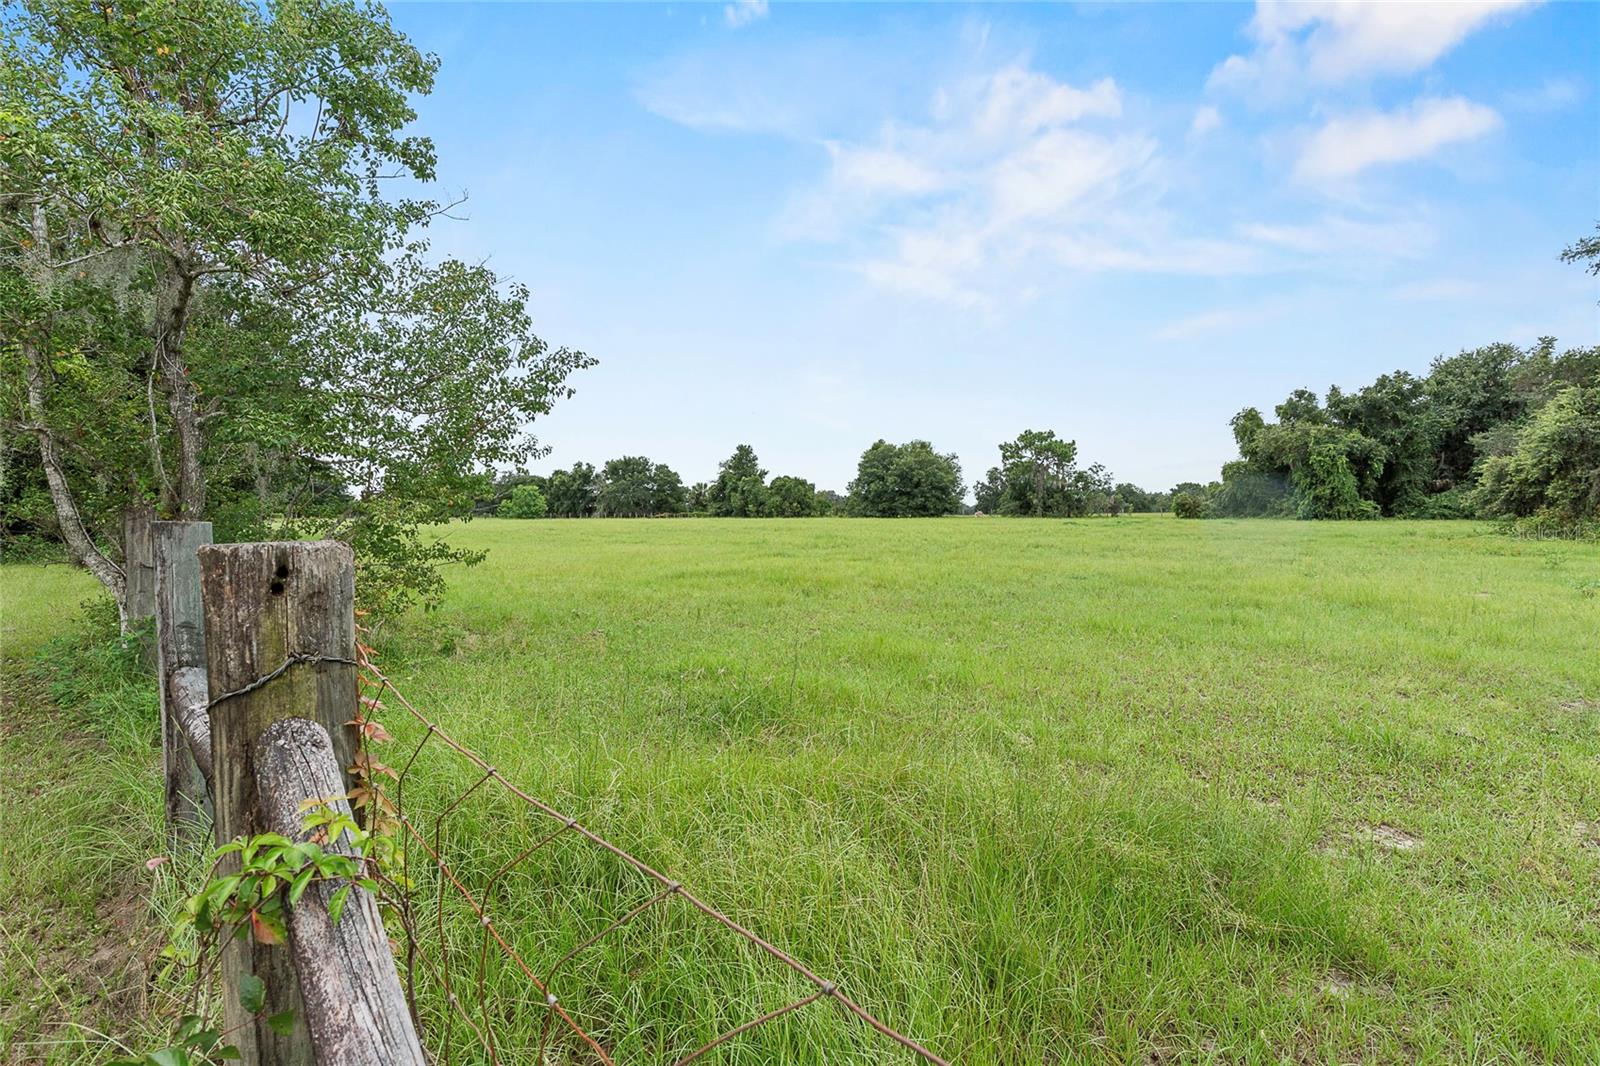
x=1130, y=790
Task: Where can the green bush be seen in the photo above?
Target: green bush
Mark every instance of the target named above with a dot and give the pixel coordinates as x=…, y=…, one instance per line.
x=1552, y=525
x=525, y=501
x=1552, y=477
x=1452, y=503
x=1188, y=505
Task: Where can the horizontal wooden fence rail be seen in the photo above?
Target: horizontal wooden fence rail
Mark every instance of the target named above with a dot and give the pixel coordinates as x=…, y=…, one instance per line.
x=354, y=1005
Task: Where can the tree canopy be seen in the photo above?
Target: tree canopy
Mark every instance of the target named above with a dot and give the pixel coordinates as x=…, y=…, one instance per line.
x=210, y=303
x=1482, y=433
x=635, y=487
x=740, y=490
x=908, y=480
x=1039, y=475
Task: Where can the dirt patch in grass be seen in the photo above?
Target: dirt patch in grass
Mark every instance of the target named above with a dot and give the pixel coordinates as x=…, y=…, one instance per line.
x=1393, y=838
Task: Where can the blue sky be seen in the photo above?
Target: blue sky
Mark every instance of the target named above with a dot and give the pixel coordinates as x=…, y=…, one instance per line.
x=806, y=227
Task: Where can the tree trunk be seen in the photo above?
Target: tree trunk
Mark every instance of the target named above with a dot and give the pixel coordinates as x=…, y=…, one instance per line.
x=79, y=543
x=171, y=319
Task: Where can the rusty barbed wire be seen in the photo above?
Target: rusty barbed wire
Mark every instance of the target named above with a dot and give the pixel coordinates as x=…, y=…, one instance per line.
x=400, y=900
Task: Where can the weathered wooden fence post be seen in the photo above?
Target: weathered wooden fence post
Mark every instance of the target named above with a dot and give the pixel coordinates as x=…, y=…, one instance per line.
x=181, y=672
x=280, y=644
x=139, y=564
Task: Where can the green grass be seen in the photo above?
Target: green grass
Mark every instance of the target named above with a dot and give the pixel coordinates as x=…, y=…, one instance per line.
x=81, y=917
x=1033, y=791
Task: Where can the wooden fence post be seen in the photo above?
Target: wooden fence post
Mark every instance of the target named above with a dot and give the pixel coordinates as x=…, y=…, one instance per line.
x=180, y=670
x=280, y=644
x=139, y=564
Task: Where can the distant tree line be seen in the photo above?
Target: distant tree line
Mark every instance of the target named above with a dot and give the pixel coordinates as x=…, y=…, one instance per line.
x=1495, y=432
x=1038, y=476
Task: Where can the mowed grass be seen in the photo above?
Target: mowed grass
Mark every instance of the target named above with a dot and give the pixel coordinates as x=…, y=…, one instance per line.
x=1133, y=790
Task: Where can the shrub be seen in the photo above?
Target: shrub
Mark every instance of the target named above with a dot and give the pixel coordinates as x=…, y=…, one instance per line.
x=1325, y=484
x=525, y=501
x=1452, y=503
x=1188, y=505
x=1553, y=473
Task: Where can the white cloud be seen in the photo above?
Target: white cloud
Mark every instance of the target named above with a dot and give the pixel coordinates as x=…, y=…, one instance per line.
x=743, y=12
x=1327, y=42
x=1220, y=321
x=1347, y=145
x=1447, y=290
x=1206, y=119
x=1553, y=94
x=1009, y=171
x=1399, y=237
x=883, y=168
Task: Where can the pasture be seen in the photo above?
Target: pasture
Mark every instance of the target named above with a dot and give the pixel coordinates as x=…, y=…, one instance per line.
x=1034, y=791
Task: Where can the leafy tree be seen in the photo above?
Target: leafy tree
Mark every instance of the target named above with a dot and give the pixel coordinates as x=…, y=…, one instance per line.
x=1039, y=475
x=525, y=501
x=1470, y=393
x=635, y=487
x=791, y=497
x=1139, y=501
x=699, y=498
x=1585, y=250
x=667, y=496
x=740, y=490
x=208, y=302
x=1089, y=491
x=573, y=493
x=828, y=502
x=990, y=491
x=1038, y=469
x=627, y=488
x=1553, y=470
x=1394, y=413
x=1188, y=505
x=1329, y=471
x=905, y=480
x=501, y=489
x=1300, y=408
x=1249, y=491
x=1541, y=373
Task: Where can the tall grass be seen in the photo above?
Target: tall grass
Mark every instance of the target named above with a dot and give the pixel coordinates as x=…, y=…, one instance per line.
x=1032, y=791
x=1040, y=791
x=82, y=916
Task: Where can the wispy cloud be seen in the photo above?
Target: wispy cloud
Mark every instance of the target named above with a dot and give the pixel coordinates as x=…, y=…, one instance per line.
x=1552, y=94
x=1395, y=237
x=743, y=12
x=1349, y=144
x=1327, y=42
x=1006, y=171
x=1441, y=290
x=1218, y=321
x=1206, y=118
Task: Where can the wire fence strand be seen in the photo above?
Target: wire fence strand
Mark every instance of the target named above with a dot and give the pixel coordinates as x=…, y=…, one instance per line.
x=450, y=880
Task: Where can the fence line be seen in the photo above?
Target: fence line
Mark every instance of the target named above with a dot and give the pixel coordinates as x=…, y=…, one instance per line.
x=383, y=686
x=262, y=682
